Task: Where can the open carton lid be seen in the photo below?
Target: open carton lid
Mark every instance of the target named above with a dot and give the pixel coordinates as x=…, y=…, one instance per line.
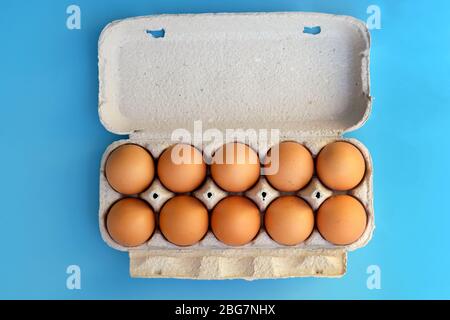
x=302, y=73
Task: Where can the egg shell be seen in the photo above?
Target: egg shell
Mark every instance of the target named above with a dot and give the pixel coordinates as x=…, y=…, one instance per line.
x=130, y=169
x=291, y=165
x=235, y=220
x=130, y=222
x=289, y=220
x=235, y=167
x=181, y=168
x=341, y=219
x=183, y=220
x=340, y=166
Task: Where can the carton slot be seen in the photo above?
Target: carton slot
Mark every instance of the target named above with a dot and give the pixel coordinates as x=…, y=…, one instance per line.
x=159, y=33
x=312, y=30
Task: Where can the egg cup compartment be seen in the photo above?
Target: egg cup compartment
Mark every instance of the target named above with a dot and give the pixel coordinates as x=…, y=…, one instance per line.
x=251, y=70
x=262, y=194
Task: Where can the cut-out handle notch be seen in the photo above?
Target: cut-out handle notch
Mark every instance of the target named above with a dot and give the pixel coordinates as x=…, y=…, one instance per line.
x=312, y=30
x=160, y=33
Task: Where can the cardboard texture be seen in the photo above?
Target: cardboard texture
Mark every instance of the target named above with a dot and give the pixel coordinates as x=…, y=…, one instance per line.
x=253, y=70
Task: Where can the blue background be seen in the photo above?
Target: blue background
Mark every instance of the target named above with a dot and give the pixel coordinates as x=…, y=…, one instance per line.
x=52, y=141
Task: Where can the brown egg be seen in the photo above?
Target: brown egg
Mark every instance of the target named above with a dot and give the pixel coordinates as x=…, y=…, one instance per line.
x=235, y=167
x=289, y=220
x=289, y=166
x=183, y=220
x=235, y=220
x=181, y=168
x=129, y=169
x=130, y=222
x=341, y=219
x=340, y=166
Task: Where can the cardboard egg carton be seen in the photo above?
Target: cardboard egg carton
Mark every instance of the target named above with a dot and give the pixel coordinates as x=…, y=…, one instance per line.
x=253, y=70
